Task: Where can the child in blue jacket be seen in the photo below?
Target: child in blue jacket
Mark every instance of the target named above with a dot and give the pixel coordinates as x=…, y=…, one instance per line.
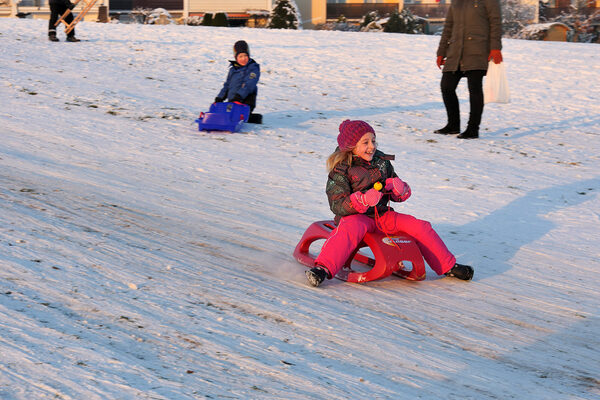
x=242, y=78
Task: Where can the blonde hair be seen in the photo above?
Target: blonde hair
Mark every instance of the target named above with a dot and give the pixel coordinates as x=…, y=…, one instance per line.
x=337, y=157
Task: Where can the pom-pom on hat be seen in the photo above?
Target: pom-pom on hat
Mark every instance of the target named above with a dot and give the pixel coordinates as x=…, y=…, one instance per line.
x=241, y=47
x=351, y=132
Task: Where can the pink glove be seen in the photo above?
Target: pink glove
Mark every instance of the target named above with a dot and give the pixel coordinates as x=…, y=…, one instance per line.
x=400, y=189
x=362, y=201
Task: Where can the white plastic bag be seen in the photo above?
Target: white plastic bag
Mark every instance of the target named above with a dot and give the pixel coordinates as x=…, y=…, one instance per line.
x=495, y=87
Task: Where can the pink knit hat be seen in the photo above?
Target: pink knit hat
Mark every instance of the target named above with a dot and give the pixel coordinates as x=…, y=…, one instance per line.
x=351, y=132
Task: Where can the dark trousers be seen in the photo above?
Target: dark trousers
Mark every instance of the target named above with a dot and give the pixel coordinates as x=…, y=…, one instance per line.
x=449, y=83
x=56, y=11
x=250, y=100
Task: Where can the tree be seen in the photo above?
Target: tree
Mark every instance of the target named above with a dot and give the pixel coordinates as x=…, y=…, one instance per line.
x=516, y=14
x=284, y=15
x=581, y=18
x=368, y=18
x=207, y=20
x=403, y=22
x=220, y=20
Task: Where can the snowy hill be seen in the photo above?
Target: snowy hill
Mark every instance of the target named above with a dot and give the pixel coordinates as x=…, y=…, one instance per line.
x=142, y=259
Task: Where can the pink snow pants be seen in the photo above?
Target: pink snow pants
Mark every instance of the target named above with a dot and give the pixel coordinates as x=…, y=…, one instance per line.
x=352, y=229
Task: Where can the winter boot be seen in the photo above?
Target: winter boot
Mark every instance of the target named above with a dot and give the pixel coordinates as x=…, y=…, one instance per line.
x=469, y=133
x=72, y=39
x=316, y=275
x=52, y=37
x=464, y=272
x=448, y=130
x=255, y=119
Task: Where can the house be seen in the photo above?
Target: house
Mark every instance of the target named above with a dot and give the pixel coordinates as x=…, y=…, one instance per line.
x=239, y=12
x=432, y=11
x=312, y=12
x=354, y=10
x=8, y=8
x=551, y=31
x=243, y=12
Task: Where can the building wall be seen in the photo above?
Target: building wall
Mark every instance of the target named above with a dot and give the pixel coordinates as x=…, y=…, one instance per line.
x=152, y=4
x=400, y=2
x=214, y=6
x=389, y=1
x=557, y=34
x=363, y=1
x=312, y=12
x=355, y=11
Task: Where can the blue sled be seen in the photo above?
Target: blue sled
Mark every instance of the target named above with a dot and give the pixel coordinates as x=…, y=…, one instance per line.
x=224, y=117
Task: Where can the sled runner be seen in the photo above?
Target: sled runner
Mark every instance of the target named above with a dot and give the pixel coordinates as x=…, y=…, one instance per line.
x=87, y=5
x=392, y=254
x=224, y=117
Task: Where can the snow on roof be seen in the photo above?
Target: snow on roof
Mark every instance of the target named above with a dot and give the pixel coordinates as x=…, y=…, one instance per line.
x=542, y=27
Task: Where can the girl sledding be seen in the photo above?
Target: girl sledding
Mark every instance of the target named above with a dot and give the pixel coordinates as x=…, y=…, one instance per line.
x=355, y=168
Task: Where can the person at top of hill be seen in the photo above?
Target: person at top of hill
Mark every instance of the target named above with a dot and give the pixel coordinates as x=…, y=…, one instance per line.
x=242, y=78
x=472, y=36
x=57, y=9
x=354, y=168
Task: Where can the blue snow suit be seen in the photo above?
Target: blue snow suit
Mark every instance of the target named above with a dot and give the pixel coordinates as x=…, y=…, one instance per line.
x=241, y=83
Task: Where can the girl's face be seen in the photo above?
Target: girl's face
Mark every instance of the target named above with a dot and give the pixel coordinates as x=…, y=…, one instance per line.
x=242, y=59
x=366, y=146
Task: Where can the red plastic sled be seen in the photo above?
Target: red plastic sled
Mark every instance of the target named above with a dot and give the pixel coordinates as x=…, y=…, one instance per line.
x=392, y=254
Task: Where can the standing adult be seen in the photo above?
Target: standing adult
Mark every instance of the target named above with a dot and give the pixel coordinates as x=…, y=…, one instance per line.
x=57, y=9
x=470, y=39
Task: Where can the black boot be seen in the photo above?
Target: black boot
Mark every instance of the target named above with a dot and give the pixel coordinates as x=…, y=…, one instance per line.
x=72, y=39
x=52, y=37
x=316, y=275
x=469, y=133
x=448, y=130
x=255, y=118
x=464, y=272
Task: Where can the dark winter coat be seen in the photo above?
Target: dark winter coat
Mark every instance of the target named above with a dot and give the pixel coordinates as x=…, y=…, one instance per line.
x=471, y=30
x=241, y=81
x=66, y=3
x=344, y=180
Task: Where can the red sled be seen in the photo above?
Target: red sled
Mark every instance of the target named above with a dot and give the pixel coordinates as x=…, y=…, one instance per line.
x=392, y=254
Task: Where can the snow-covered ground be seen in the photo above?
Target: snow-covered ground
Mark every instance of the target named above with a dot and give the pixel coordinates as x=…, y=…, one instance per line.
x=140, y=258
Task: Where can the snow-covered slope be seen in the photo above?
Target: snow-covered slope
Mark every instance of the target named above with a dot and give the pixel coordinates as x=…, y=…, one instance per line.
x=140, y=258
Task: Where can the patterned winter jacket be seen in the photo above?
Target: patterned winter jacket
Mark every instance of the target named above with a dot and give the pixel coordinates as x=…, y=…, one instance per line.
x=361, y=176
